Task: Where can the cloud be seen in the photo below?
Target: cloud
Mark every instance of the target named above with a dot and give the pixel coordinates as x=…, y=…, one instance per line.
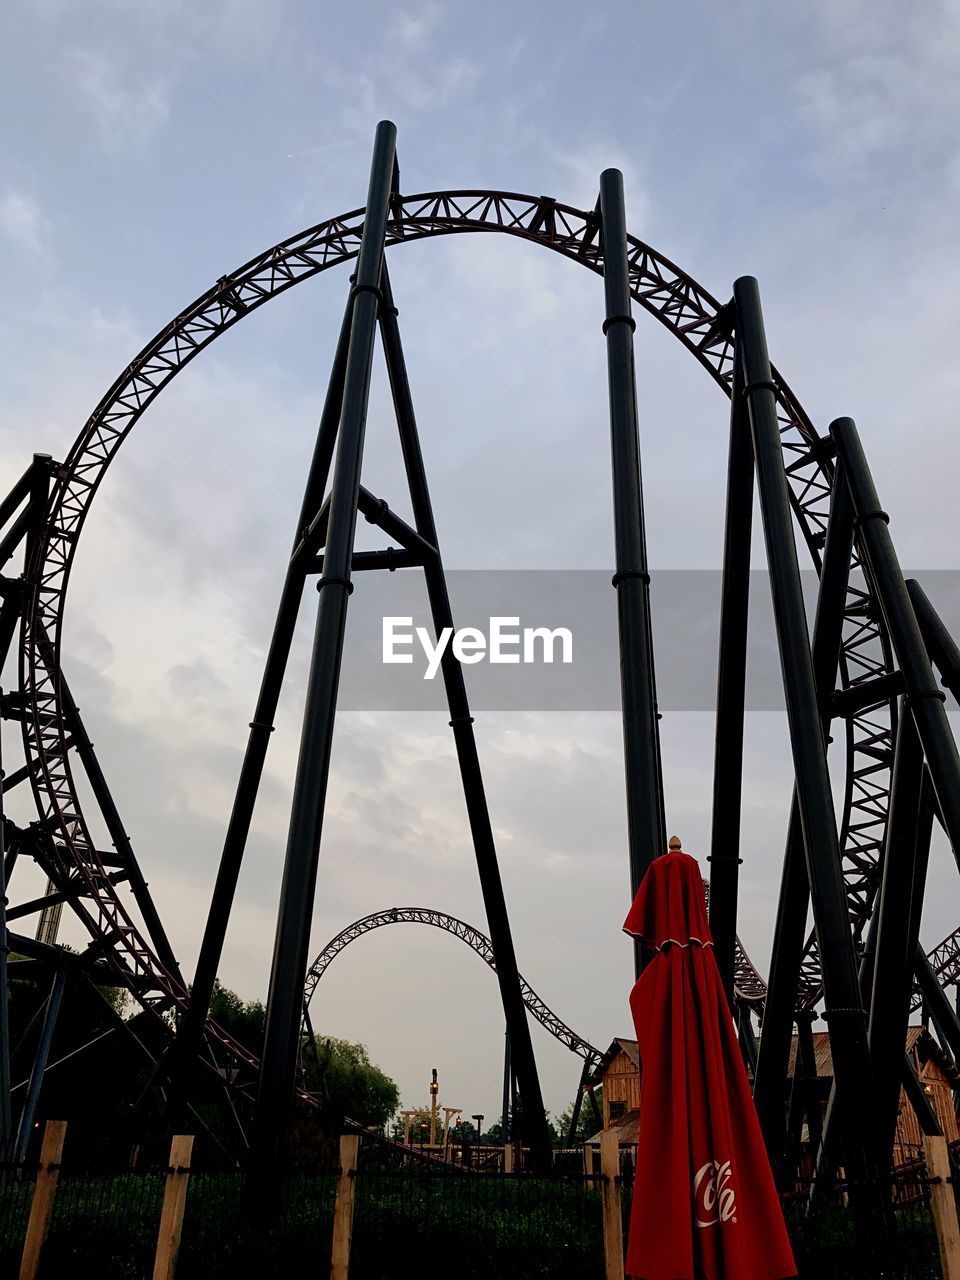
x=177, y=578
x=415, y=28
x=23, y=224
x=886, y=83
x=127, y=111
x=411, y=74
x=582, y=168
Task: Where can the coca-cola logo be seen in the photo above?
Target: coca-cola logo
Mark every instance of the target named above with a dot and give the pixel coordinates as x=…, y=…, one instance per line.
x=714, y=1197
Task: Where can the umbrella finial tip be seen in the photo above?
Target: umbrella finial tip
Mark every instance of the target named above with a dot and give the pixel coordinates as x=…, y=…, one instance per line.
x=675, y=843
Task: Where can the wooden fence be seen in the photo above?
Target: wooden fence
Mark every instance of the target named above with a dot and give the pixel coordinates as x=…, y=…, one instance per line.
x=936, y=1180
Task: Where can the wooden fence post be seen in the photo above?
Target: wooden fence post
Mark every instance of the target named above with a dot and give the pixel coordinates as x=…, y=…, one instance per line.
x=174, y=1204
x=343, y=1208
x=943, y=1205
x=612, y=1217
x=41, y=1208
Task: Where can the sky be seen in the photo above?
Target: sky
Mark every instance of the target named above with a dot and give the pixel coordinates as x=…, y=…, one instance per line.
x=149, y=149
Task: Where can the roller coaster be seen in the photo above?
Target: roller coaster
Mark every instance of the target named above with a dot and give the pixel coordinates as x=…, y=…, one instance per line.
x=866, y=671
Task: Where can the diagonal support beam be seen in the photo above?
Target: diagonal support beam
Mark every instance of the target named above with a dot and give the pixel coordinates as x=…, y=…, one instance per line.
x=937, y=1001
x=843, y=1003
x=794, y=901
x=893, y=959
x=51, y=1015
x=929, y=1122
x=942, y=647
x=111, y=815
x=532, y=1118
x=375, y=510
x=186, y=1051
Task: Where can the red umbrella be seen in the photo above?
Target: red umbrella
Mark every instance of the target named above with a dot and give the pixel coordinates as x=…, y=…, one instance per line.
x=704, y=1202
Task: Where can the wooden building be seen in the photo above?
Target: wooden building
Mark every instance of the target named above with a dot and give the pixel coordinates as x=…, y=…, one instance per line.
x=619, y=1073
x=938, y=1078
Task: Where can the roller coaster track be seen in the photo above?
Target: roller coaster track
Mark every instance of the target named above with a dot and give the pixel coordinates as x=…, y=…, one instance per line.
x=477, y=941
x=660, y=288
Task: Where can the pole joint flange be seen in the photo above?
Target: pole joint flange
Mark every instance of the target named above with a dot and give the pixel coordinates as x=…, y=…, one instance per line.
x=761, y=386
x=621, y=574
x=336, y=582
x=367, y=288
x=937, y=694
x=625, y=319
x=876, y=514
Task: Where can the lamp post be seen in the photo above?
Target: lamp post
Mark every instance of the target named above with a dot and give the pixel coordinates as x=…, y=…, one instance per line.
x=434, y=1090
x=479, y=1120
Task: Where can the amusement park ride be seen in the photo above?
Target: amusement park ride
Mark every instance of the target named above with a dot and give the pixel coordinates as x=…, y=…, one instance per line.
x=865, y=677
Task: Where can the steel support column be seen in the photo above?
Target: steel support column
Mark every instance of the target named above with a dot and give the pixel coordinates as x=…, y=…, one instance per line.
x=42, y=1056
x=893, y=958
x=746, y=1036
x=34, y=485
x=937, y=1001
x=532, y=1120
x=6, y=1117
x=578, y=1104
x=507, y=1076
x=941, y=645
x=924, y=696
x=921, y=858
x=803, y=1100
x=929, y=1121
x=790, y=928
x=646, y=825
x=844, y=1007
x=40, y=473
x=290, y=955
x=731, y=688
x=16, y=495
x=814, y=1114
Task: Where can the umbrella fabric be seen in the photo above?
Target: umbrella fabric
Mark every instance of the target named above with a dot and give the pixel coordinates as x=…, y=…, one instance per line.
x=704, y=1202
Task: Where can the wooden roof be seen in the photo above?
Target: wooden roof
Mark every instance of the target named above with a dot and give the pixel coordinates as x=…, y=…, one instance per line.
x=918, y=1038
x=617, y=1046
x=625, y=1128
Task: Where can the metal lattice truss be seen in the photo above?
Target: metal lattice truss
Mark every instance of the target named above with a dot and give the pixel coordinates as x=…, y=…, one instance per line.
x=945, y=961
x=477, y=941
x=662, y=289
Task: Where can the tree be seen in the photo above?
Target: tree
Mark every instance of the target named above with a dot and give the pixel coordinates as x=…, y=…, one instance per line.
x=338, y=1073
x=245, y=1020
x=346, y=1083
x=586, y=1125
x=464, y=1131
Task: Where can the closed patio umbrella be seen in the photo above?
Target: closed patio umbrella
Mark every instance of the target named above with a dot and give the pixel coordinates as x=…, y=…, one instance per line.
x=704, y=1202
